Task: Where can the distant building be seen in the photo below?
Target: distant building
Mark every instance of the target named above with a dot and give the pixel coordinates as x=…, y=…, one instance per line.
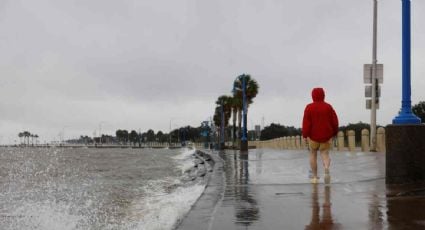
x=257, y=132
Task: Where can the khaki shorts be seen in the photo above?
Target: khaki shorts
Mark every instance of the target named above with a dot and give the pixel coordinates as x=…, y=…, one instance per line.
x=319, y=146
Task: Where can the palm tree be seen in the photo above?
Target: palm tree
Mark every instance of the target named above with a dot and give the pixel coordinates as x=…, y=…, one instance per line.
x=26, y=135
x=225, y=102
x=118, y=134
x=217, y=116
x=251, y=92
x=20, y=135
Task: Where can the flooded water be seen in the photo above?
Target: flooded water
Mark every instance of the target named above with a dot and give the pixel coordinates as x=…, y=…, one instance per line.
x=95, y=188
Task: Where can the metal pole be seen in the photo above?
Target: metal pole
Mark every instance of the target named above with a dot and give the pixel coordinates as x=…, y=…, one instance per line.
x=244, y=109
x=374, y=80
x=244, y=141
x=406, y=115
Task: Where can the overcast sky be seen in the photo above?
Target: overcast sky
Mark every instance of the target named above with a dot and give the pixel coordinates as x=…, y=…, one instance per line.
x=75, y=66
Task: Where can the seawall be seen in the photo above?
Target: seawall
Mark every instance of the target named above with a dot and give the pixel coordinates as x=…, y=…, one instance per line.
x=203, y=210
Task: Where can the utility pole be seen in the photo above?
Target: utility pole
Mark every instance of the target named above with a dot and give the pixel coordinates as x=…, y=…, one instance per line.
x=373, y=76
x=374, y=80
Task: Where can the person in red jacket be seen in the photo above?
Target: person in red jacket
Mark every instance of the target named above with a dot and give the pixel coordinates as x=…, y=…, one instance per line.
x=320, y=124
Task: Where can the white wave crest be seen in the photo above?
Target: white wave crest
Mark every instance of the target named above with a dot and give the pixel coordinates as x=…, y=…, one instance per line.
x=162, y=212
x=185, y=160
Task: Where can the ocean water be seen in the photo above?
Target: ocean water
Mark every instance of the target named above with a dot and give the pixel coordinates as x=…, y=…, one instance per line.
x=56, y=188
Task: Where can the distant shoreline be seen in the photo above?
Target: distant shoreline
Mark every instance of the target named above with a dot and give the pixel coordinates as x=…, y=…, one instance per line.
x=92, y=146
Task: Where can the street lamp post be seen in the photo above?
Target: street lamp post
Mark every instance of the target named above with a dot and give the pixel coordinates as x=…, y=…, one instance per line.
x=406, y=115
x=244, y=140
x=404, y=161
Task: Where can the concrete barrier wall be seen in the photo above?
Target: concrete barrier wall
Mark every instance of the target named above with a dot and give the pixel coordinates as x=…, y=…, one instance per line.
x=365, y=140
x=351, y=135
x=380, y=140
x=340, y=141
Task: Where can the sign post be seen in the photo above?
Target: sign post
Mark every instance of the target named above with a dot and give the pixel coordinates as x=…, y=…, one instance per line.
x=373, y=74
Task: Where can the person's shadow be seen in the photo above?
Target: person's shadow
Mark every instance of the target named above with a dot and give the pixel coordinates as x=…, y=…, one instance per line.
x=324, y=221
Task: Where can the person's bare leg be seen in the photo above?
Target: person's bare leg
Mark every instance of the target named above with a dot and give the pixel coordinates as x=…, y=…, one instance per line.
x=324, y=154
x=313, y=162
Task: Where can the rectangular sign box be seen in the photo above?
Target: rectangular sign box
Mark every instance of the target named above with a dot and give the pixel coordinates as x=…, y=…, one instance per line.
x=369, y=104
x=368, y=91
x=367, y=73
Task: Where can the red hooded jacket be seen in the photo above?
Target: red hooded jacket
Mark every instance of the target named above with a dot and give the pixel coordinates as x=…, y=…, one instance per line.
x=320, y=122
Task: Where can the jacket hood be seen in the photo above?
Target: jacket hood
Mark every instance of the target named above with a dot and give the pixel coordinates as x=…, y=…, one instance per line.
x=318, y=94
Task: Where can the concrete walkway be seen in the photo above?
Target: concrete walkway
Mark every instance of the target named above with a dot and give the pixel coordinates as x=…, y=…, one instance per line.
x=269, y=189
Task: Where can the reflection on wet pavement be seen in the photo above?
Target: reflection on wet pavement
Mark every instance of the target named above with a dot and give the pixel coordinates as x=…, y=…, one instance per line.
x=237, y=179
x=321, y=220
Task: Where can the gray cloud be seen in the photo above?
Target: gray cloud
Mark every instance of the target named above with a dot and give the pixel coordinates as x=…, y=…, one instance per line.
x=137, y=64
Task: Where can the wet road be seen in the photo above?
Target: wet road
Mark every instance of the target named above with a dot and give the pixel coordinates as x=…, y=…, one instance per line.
x=270, y=189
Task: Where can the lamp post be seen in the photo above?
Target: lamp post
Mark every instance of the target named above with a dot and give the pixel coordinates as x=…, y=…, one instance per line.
x=406, y=115
x=404, y=161
x=244, y=140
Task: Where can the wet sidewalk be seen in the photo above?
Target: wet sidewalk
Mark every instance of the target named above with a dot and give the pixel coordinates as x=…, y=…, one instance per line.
x=270, y=189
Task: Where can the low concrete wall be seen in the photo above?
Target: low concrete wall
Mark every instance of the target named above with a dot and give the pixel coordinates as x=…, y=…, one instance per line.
x=298, y=143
